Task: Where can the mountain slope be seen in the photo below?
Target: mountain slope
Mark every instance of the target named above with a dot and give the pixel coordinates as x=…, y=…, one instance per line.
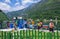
x=48, y=9
x=44, y=9
x=3, y=16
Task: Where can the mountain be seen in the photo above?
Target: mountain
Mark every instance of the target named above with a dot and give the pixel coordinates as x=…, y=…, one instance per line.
x=3, y=16
x=46, y=9
x=20, y=12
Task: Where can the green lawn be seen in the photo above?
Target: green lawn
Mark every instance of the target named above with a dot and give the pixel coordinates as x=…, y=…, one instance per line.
x=29, y=34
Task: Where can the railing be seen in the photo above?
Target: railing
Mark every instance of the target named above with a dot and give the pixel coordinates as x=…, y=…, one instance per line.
x=30, y=34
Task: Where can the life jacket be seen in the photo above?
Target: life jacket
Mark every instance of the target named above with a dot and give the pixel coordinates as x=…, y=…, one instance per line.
x=32, y=22
x=39, y=24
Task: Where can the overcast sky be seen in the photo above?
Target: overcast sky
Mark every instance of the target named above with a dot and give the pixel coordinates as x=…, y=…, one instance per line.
x=15, y=5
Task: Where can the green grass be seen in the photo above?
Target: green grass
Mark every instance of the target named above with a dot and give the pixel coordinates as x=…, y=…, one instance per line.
x=29, y=34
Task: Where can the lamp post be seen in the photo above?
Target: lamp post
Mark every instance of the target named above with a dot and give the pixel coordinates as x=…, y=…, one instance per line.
x=56, y=20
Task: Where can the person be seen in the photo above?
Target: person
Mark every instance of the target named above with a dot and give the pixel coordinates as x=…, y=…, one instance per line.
x=0, y=25
x=25, y=23
x=28, y=23
x=11, y=25
x=30, y=26
x=35, y=26
x=8, y=24
x=51, y=26
x=15, y=26
x=33, y=22
x=20, y=23
x=40, y=25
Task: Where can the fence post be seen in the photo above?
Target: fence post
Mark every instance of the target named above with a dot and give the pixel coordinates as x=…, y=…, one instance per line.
x=18, y=35
x=57, y=34
x=8, y=35
x=13, y=35
x=35, y=34
x=54, y=35
x=2, y=34
x=41, y=35
x=32, y=34
x=50, y=35
x=44, y=35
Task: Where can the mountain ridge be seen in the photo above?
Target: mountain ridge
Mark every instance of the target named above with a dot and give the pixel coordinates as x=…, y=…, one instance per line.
x=44, y=9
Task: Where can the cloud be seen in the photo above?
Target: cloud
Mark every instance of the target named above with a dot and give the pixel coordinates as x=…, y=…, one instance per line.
x=31, y=1
x=17, y=6
x=35, y=1
x=4, y=6
x=7, y=1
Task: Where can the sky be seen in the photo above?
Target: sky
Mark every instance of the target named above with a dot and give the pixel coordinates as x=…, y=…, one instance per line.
x=15, y=5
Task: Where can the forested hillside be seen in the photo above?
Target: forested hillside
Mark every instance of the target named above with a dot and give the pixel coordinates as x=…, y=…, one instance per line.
x=46, y=9
x=3, y=16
